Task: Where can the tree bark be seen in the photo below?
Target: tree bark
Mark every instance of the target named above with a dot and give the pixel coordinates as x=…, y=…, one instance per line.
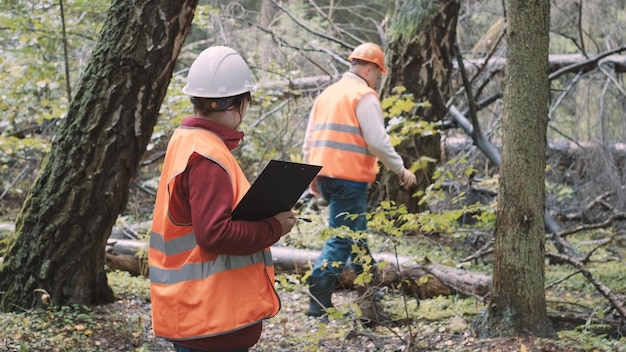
x=517, y=306
x=67, y=217
x=420, y=59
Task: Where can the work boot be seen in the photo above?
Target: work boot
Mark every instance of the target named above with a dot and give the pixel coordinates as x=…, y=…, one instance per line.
x=321, y=289
x=368, y=300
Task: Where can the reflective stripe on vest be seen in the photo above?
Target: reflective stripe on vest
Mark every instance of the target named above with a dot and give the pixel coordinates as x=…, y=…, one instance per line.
x=197, y=271
x=195, y=293
x=339, y=145
x=336, y=140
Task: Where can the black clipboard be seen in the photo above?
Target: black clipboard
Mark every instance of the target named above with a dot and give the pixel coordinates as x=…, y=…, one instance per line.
x=276, y=189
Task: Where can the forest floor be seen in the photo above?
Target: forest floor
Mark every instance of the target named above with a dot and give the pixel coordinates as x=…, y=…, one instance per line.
x=125, y=326
x=436, y=324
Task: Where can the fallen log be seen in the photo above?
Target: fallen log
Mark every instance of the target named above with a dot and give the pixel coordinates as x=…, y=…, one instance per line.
x=127, y=255
x=559, y=64
x=420, y=280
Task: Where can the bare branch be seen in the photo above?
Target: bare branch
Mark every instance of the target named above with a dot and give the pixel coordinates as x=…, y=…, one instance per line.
x=335, y=27
x=468, y=92
x=615, y=217
x=605, y=62
x=68, y=87
x=563, y=94
x=269, y=113
x=22, y=173
x=491, y=52
x=319, y=34
x=605, y=291
x=579, y=65
x=580, y=27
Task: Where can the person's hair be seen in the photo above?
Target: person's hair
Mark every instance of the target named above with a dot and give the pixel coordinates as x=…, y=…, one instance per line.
x=206, y=106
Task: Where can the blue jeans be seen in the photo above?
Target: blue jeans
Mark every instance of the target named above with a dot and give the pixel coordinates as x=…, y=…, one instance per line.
x=344, y=198
x=180, y=348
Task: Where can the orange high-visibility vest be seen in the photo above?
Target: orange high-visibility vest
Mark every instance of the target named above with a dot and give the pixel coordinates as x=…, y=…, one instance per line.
x=336, y=140
x=195, y=293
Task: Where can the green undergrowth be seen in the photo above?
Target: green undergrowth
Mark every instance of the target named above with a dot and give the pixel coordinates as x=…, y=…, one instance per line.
x=116, y=327
x=441, y=323
x=569, y=293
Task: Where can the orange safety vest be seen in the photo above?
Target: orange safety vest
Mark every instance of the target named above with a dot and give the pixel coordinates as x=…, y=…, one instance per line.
x=196, y=293
x=336, y=140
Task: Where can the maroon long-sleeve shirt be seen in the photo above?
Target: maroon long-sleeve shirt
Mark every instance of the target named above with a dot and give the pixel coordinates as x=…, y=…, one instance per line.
x=203, y=197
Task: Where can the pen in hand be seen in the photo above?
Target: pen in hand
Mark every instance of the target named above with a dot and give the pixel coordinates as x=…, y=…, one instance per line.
x=303, y=219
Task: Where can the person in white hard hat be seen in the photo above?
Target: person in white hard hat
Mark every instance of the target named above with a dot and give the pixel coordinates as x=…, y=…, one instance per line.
x=211, y=277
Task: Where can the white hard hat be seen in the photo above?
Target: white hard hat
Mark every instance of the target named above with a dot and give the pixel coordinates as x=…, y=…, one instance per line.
x=218, y=72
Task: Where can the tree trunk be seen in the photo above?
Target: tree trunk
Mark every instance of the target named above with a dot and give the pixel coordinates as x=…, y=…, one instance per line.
x=67, y=217
x=518, y=306
x=420, y=58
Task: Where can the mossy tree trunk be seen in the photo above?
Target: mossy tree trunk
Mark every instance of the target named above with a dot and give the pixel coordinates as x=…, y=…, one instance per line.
x=62, y=229
x=517, y=305
x=419, y=55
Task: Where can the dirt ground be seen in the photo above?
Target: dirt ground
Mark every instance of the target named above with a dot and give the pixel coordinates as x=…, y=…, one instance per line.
x=292, y=330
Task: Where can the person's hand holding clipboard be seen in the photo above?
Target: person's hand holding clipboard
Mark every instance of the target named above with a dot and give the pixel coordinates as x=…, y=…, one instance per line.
x=275, y=190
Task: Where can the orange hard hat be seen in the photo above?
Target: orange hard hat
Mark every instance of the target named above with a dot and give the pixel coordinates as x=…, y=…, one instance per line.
x=369, y=52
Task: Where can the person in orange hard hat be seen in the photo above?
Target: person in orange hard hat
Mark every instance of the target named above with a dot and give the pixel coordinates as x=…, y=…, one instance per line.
x=211, y=277
x=346, y=136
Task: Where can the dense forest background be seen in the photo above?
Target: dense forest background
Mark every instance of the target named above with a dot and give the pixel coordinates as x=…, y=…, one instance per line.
x=296, y=48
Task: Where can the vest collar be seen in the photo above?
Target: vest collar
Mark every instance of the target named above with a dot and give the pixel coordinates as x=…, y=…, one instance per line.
x=231, y=137
x=356, y=77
